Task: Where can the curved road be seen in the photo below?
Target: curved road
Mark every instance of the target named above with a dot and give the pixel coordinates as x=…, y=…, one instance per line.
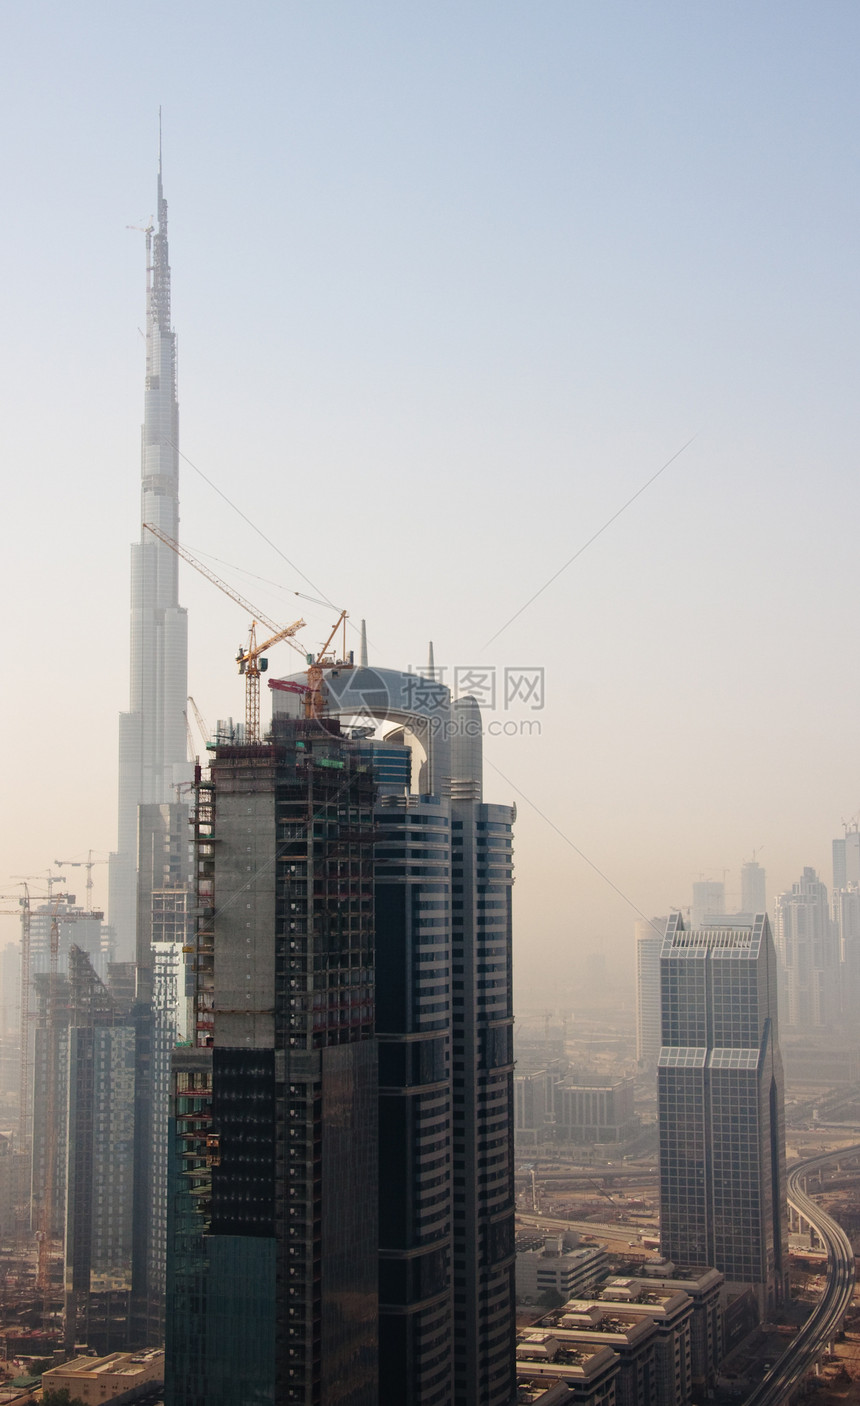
x=821, y=1326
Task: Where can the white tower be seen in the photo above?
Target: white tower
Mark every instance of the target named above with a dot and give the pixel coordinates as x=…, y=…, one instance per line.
x=152, y=736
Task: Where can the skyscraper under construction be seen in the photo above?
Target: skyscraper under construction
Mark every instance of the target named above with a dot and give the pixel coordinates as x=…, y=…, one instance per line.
x=341, y=1152
x=152, y=734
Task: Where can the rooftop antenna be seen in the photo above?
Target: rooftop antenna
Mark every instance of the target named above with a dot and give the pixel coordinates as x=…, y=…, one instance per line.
x=431, y=666
x=362, y=651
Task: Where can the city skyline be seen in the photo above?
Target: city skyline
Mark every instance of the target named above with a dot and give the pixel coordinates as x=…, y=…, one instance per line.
x=530, y=295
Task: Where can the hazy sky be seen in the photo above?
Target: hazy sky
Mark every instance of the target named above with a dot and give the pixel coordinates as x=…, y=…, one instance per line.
x=451, y=282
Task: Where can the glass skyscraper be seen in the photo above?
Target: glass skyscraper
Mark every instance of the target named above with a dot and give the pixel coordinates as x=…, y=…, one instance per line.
x=720, y=1106
x=341, y=1213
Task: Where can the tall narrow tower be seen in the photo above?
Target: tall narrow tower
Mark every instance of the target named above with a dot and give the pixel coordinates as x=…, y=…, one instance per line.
x=720, y=1105
x=152, y=755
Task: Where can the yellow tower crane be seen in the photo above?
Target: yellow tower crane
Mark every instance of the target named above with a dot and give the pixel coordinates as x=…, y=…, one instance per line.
x=251, y=662
x=89, y=864
x=312, y=691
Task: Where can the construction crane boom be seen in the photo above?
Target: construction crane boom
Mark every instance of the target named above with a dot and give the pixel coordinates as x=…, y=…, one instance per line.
x=312, y=690
x=200, y=720
x=89, y=864
x=210, y=575
x=250, y=660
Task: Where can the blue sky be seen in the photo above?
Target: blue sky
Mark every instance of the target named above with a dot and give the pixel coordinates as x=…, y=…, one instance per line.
x=451, y=282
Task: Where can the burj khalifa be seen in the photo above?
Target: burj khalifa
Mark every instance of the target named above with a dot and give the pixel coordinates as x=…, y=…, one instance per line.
x=152, y=734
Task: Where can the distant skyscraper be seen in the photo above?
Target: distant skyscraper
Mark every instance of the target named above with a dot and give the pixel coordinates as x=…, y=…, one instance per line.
x=152, y=734
x=846, y=915
x=846, y=858
x=709, y=897
x=99, y=1159
x=753, y=888
x=807, y=942
x=648, y=938
x=720, y=1106
x=164, y=873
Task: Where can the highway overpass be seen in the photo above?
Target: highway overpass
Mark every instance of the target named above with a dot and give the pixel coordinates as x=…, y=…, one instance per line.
x=822, y=1325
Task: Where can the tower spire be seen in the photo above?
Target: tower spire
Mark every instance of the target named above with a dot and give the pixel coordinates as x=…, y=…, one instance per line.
x=159, y=308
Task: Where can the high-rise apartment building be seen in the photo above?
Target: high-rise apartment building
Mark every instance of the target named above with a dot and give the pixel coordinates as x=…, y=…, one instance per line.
x=808, y=945
x=720, y=1106
x=99, y=1158
x=709, y=898
x=846, y=858
x=753, y=887
x=648, y=938
x=163, y=930
x=310, y=848
x=152, y=734
x=846, y=916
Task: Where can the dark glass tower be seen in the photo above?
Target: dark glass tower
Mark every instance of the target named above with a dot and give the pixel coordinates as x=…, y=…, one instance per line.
x=483, y=1073
x=444, y=942
x=720, y=1106
x=413, y=969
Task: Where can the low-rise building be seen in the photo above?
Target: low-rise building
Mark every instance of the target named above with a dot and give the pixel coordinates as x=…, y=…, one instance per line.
x=588, y=1371
x=634, y=1339
x=705, y=1287
x=534, y=1094
x=566, y=1269
x=626, y=1302
x=592, y=1110
x=533, y=1391
x=119, y=1377
x=672, y=1312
